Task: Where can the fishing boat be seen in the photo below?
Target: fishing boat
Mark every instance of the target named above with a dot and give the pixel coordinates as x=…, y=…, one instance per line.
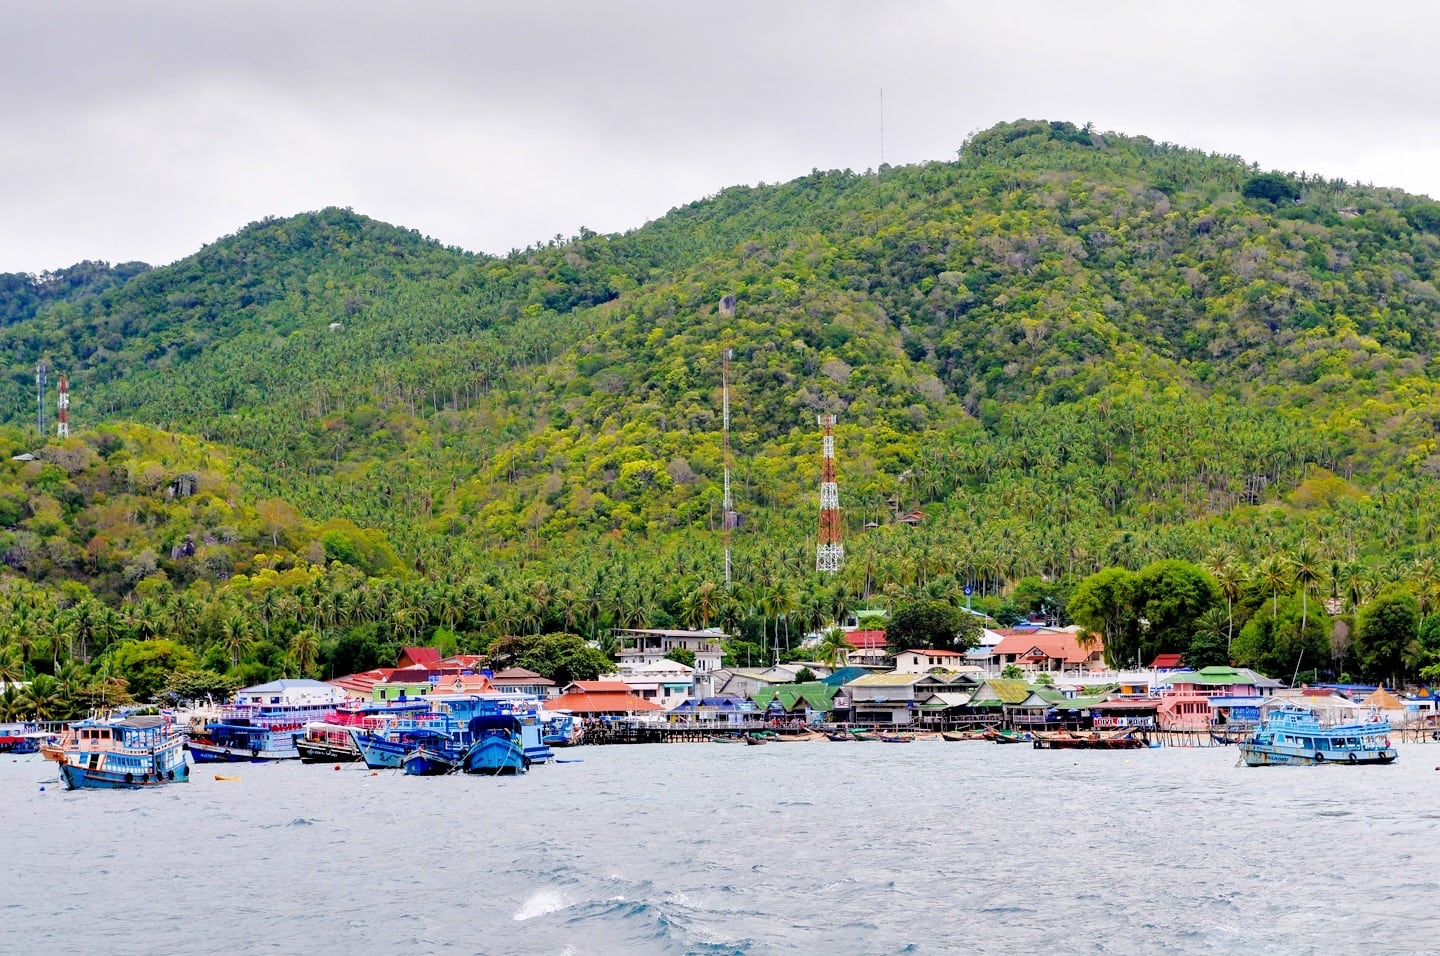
x=431, y=760
x=1292, y=734
x=896, y=739
x=497, y=748
x=957, y=736
x=839, y=737
x=753, y=740
x=124, y=753
x=387, y=749
x=1007, y=736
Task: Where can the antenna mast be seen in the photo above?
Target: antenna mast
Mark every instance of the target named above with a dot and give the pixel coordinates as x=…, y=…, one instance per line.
x=42, y=377
x=62, y=409
x=729, y=518
x=829, y=553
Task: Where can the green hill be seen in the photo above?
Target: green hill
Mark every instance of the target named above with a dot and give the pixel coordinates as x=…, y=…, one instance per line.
x=1068, y=350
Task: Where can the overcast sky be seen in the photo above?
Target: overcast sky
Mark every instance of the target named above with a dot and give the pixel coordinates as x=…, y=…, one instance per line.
x=143, y=130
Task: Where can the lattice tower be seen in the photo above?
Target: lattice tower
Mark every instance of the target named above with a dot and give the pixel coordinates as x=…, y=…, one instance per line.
x=829, y=552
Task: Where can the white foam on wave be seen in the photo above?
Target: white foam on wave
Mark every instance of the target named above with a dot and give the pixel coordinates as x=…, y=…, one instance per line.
x=539, y=903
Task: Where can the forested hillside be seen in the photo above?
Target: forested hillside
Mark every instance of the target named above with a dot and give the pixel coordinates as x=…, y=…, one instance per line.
x=1069, y=351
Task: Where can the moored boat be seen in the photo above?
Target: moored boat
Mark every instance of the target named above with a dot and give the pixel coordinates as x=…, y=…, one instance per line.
x=1292, y=734
x=122, y=754
x=1124, y=739
x=1007, y=736
x=497, y=747
x=431, y=760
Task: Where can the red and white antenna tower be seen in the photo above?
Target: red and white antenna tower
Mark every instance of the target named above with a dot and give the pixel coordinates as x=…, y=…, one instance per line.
x=829, y=553
x=62, y=409
x=729, y=519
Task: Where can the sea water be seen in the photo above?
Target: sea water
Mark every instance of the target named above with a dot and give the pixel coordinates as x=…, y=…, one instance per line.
x=817, y=847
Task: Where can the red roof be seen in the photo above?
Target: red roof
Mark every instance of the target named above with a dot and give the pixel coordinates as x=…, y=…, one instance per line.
x=603, y=702
x=418, y=657
x=865, y=640
x=1051, y=645
x=363, y=683
x=1166, y=661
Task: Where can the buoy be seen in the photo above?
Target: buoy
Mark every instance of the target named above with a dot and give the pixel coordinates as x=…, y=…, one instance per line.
x=337, y=766
x=376, y=773
x=42, y=789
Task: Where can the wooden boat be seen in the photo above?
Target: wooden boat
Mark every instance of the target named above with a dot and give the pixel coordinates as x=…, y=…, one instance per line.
x=1007, y=736
x=896, y=739
x=124, y=754
x=1293, y=735
x=957, y=736
x=429, y=760
x=724, y=739
x=753, y=741
x=840, y=737
x=1123, y=739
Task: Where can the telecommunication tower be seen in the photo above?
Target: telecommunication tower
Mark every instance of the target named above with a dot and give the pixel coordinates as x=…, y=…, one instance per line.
x=42, y=377
x=729, y=520
x=62, y=409
x=829, y=553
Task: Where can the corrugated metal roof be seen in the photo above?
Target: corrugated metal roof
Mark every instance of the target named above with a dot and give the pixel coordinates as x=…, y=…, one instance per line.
x=887, y=680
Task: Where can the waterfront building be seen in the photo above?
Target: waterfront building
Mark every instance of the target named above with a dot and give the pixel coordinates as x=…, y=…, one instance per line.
x=663, y=681
x=597, y=698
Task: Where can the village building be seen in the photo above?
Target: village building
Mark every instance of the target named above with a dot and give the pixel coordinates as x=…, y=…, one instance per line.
x=518, y=680
x=924, y=661
x=663, y=681
x=1045, y=650
x=600, y=698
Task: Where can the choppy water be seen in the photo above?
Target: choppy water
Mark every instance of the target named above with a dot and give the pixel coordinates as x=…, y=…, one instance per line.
x=790, y=848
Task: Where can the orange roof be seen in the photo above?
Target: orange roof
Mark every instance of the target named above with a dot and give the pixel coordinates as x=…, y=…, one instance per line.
x=604, y=702
x=1054, y=645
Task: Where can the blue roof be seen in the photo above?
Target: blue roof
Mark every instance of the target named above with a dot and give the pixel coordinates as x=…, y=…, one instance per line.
x=844, y=676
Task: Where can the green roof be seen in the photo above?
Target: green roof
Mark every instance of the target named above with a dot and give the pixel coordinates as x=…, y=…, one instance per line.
x=815, y=695
x=1210, y=675
x=1010, y=690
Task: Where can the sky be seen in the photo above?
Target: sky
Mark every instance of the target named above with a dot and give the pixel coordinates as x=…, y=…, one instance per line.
x=144, y=130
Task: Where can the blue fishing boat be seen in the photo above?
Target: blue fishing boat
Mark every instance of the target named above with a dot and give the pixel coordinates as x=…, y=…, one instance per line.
x=122, y=754
x=497, y=748
x=431, y=760
x=385, y=749
x=1292, y=734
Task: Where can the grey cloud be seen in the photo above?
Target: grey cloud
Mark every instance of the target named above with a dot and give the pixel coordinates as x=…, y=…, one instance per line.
x=143, y=130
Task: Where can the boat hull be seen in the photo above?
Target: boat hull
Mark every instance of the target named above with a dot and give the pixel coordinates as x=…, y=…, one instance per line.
x=424, y=762
x=1261, y=756
x=322, y=752
x=496, y=756
x=203, y=752
x=83, y=778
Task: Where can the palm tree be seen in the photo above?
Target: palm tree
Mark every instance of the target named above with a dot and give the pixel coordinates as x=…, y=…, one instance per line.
x=304, y=648
x=1306, y=568
x=1274, y=574
x=833, y=649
